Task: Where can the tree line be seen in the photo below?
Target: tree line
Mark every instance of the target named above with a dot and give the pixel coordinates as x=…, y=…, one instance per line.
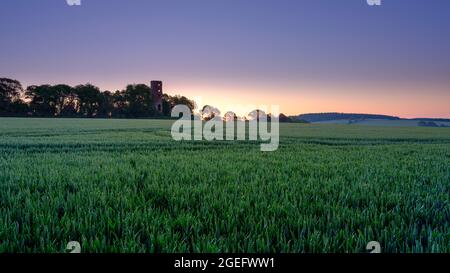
x=84, y=100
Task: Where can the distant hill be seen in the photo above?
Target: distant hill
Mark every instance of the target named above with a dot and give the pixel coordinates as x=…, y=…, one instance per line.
x=317, y=117
x=371, y=119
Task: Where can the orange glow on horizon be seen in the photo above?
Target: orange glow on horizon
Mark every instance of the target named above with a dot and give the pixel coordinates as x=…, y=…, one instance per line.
x=402, y=100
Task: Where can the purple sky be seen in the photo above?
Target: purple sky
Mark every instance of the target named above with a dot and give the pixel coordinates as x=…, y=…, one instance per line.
x=305, y=55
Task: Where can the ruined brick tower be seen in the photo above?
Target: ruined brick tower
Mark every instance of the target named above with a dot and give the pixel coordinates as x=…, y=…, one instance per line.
x=157, y=95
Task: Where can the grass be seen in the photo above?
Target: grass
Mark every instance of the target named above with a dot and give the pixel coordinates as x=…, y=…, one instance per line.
x=126, y=186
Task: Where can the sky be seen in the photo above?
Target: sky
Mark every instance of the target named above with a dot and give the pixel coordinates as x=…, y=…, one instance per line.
x=303, y=55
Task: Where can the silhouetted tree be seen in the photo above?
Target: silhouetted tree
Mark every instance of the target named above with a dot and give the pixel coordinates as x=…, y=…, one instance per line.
x=172, y=101
x=90, y=99
x=120, y=104
x=167, y=107
x=10, y=93
x=106, y=107
x=209, y=112
x=42, y=100
x=230, y=116
x=256, y=114
x=139, y=100
x=65, y=100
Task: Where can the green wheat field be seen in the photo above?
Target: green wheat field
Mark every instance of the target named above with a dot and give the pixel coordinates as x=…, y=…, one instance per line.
x=126, y=186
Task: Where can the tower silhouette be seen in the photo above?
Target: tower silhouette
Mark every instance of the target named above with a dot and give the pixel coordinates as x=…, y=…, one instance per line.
x=157, y=95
